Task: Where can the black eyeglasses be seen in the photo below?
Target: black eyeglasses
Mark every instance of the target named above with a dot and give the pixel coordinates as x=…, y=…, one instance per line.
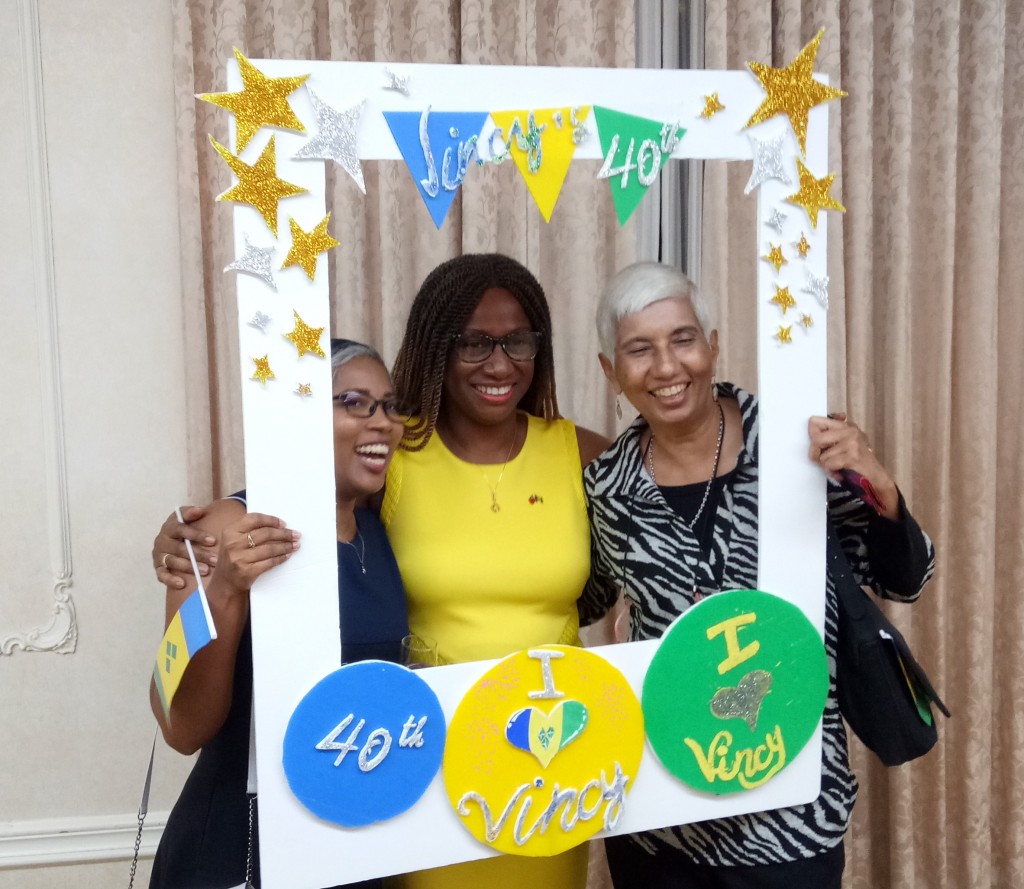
x=474, y=347
x=359, y=404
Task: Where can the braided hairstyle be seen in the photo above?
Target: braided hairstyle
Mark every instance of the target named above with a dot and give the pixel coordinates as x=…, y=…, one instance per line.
x=445, y=301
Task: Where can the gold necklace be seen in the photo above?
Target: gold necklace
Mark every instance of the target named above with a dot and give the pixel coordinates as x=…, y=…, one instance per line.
x=495, y=506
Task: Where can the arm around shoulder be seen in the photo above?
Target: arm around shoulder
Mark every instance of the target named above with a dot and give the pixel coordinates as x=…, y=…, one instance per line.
x=591, y=444
x=250, y=544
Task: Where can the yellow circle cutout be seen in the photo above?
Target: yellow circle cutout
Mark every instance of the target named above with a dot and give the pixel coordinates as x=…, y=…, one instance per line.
x=542, y=751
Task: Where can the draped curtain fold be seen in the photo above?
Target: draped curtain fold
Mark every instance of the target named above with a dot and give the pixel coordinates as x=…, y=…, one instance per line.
x=926, y=317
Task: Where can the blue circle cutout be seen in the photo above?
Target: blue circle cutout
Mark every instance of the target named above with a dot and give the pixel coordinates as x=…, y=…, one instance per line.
x=364, y=743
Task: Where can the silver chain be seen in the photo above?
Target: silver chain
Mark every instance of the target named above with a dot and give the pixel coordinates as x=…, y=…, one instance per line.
x=714, y=471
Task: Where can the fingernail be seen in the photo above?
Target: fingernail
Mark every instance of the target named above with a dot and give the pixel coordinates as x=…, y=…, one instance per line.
x=296, y=535
x=209, y=541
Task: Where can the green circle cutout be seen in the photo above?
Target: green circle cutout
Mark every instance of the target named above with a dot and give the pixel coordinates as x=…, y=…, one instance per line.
x=730, y=731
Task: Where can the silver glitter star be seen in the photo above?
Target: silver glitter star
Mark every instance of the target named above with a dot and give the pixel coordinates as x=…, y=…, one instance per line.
x=818, y=286
x=256, y=261
x=396, y=82
x=767, y=161
x=259, y=320
x=335, y=138
x=775, y=219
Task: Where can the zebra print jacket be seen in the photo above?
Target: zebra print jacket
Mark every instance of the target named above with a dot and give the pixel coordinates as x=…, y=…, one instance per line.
x=639, y=545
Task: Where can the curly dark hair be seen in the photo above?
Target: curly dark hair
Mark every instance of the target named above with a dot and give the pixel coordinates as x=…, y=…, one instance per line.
x=445, y=301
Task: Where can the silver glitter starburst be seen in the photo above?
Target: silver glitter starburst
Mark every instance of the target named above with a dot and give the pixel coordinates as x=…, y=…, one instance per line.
x=256, y=261
x=335, y=138
x=767, y=161
x=817, y=285
x=775, y=219
x=260, y=321
x=396, y=82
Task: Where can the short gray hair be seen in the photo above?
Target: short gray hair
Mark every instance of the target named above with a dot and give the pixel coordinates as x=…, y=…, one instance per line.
x=635, y=287
x=343, y=351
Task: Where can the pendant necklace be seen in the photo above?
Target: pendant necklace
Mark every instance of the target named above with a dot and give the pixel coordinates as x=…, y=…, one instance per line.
x=495, y=506
x=361, y=552
x=714, y=471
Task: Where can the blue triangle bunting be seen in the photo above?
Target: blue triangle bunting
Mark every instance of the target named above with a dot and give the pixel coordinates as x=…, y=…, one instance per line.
x=438, y=147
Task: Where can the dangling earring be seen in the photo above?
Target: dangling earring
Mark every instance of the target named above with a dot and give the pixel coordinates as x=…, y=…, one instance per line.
x=618, y=408
x=714, y=388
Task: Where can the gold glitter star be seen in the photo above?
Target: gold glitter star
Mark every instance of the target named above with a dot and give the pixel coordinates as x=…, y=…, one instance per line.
x=783, y=299
x=784, y=334
x=305, y=338
x=803, y=246
x=775, y=257
x=306, y=389
x=792, y=91
x=813, y=195
x=711, y=106
x=307, y=246
x=263, y=101
x=258, y=184
x=806, y=321
x=263, y=371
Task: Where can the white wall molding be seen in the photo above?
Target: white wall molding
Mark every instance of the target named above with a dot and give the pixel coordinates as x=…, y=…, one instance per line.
x=70, y=841
x=60, y=633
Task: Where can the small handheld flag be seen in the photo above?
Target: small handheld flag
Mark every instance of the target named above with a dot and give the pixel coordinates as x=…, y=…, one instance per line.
x=190, y=630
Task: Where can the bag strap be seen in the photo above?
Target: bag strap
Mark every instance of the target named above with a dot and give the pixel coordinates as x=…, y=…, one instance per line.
x=143, y=810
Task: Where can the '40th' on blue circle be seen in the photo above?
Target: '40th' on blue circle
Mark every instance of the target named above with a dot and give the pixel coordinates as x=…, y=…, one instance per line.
x=364, y=743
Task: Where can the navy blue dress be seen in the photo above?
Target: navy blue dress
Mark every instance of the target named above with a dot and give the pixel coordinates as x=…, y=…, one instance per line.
x=204, y=844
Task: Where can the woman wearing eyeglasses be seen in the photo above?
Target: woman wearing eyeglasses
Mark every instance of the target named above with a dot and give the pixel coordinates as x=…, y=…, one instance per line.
x=484, y=502
x=205, y=841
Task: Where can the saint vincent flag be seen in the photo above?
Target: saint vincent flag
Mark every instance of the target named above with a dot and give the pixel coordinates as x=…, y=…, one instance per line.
x=190, y=629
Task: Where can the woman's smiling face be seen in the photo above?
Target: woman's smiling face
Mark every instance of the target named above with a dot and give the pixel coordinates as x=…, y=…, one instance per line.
x=664, y=363
x=488, y=392
x=363, y=446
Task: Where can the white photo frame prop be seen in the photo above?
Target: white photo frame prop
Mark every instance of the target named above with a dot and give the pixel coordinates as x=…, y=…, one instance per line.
x=289, y=457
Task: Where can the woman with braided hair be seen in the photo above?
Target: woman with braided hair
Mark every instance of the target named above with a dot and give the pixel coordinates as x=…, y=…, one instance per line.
x=484, y=502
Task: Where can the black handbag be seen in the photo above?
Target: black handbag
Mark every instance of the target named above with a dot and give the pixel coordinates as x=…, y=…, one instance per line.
x=884, y=693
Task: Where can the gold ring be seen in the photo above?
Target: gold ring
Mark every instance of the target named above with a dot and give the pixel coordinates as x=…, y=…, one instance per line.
x=252, y=543
x=163, y=561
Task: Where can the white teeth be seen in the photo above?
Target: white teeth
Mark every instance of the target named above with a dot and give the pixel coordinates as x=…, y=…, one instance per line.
x=494, y=390
x=373, y=450
x=668, y=391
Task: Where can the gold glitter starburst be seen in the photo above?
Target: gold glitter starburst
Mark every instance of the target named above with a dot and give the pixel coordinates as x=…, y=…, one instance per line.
x=258, y=184
x=711, y=106
x=775, y=257
x=806, y=321
x=814, y=194
x=783, y=299
x=305, y=338
x=263, y=371
x=792, y=91
x=784, y=334
x=803, y=246
x=304, y=389
x=262, y=102
x=307, y=246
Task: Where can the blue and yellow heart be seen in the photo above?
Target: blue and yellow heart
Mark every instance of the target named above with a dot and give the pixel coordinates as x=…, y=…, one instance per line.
x=544, y=734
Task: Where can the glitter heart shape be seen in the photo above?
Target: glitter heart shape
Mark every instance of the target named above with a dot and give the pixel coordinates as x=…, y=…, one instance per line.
x=744, y=700
x=544, y=734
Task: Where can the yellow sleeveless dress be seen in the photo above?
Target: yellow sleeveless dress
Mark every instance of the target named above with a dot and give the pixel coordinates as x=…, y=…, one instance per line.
x=484, y=584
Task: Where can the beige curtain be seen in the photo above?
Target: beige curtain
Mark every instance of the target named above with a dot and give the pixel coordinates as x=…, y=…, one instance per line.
x=388, y=243
x=926, y=324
